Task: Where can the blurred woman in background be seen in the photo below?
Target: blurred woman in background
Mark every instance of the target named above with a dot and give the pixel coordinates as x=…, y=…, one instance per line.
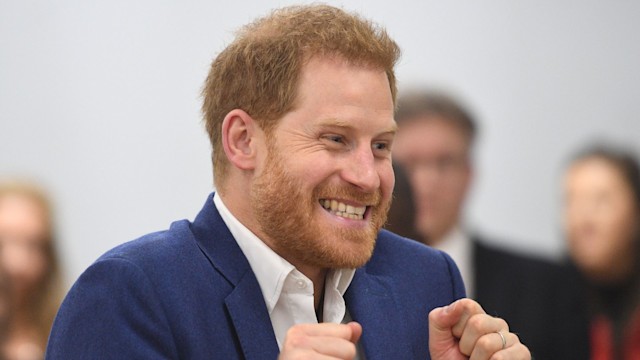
x=602, y=226
x=27, y=257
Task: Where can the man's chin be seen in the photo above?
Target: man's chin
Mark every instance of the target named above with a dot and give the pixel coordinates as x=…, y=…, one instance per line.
x=349, y=257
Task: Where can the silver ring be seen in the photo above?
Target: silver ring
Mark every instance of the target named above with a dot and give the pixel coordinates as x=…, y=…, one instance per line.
x=504, y=341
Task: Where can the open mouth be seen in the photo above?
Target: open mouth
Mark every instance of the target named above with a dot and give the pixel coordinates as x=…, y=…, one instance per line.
x=343, y=210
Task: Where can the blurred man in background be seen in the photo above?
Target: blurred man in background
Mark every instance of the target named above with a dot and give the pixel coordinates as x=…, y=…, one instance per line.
x=434, y=144
x=602, y=227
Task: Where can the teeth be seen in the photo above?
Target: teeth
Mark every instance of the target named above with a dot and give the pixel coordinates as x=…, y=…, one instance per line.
x=343, y=210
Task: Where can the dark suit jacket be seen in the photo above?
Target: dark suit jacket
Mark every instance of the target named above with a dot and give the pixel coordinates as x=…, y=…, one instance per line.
x=536, y=298
x=189, y=293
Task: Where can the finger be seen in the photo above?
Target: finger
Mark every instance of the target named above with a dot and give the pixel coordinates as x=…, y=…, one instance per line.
x=356, y=331
x=343, y=331
x=446, y=325
x=467, y=309
x=303, y=354
x=302, y=345
x=331, y=346
x=515, y=352
x=479, y=325
x=329, y=339
x=490, y=344
x=441, y=340
x=443, y=318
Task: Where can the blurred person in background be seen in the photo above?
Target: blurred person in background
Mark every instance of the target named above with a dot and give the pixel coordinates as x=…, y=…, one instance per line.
x=434, y=144
x=402, y=212
x=602, y=227
x=5, y=311
x=28, y=259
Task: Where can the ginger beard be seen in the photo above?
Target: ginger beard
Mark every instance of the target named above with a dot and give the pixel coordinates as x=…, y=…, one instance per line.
x=291, y=219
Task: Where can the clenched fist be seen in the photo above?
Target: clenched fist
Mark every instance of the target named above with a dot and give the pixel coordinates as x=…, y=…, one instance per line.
x=321, y=341
x=463, y=330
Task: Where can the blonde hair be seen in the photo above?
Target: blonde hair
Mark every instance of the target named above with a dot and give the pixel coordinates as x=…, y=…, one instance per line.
x=44, y=304
x=259, y=71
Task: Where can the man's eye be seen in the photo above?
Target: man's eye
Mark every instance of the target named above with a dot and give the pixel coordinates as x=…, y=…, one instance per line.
x=380, y=146
x=335, y=138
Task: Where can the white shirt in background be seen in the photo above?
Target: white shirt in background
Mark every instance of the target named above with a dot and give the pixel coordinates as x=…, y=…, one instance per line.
x=457, y=244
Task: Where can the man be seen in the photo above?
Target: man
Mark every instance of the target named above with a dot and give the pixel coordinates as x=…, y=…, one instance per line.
x=434, y=144
x=286, y=259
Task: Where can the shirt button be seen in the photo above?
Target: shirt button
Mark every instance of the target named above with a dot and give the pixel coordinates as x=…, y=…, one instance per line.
x=301, y=284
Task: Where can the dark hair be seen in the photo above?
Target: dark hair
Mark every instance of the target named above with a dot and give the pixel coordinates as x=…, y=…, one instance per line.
x=431, y=104
x=622, y=159
x=402, y=213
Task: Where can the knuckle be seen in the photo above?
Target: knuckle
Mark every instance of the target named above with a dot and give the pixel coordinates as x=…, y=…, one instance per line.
x=295, y=337
x=516, y=338
x=298, y=341
x=300, y=355
x=351, y=351
x=503, y=324
x=475, y=321
x=293, y=354
x=484, y=342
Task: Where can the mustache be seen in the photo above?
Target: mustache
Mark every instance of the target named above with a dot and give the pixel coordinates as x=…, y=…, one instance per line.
x=349, y=193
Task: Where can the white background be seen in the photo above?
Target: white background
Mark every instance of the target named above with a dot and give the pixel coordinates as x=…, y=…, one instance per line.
x=99, y=101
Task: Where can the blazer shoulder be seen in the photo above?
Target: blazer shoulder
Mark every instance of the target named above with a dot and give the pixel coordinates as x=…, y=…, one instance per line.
x=409, y=260
x=153, y=297
x=156, y=247
x=395, y=249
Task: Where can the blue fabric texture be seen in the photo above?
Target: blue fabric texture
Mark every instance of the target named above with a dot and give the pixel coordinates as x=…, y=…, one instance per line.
x=189, y=293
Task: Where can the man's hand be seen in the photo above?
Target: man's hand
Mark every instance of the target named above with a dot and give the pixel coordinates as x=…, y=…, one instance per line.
x=463, y=330
x=321, y=341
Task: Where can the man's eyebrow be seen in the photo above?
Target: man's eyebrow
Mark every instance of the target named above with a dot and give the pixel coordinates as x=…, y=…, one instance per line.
x=332, y=122
x=393, y=129
x=337, y=123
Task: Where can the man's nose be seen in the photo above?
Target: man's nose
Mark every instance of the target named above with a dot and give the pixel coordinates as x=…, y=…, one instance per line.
x=360, y=169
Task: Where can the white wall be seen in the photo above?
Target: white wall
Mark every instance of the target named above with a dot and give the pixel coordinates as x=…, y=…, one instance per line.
x=100, y=102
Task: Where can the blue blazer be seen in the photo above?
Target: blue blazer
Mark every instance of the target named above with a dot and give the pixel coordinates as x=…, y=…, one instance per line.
x=189, y=293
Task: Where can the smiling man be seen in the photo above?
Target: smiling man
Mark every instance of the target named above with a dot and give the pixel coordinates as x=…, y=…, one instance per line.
x=286, y=260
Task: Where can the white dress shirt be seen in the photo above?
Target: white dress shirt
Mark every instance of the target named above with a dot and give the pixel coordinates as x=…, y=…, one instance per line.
x=287, y=292
x=457, y=244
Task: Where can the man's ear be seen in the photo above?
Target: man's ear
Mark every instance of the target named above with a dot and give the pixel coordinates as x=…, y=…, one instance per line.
x=239, y=139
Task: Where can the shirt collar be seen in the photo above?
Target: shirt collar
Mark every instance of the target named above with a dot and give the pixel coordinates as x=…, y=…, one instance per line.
x=270, y=269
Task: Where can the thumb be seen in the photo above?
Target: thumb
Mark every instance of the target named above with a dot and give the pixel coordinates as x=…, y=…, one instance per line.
x=356, y=331
x=441, y=338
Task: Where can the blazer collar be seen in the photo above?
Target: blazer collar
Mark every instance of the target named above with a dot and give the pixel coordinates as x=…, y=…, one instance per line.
x=245, y=303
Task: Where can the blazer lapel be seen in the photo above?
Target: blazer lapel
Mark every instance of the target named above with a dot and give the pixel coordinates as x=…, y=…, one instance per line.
x=251, y=320
x=245, y=302
x=371, y=302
